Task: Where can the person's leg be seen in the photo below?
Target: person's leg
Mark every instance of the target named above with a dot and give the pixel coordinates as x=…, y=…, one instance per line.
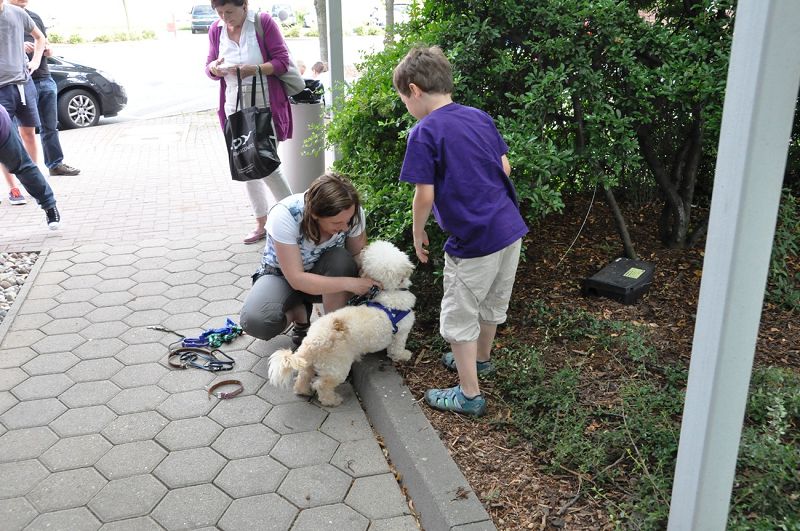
x=28, y=136
x=9, y=177
x=257, y=189
x=466, y=282
x=493, y=307
x=28, y=119
x=16, y=159
x=48, y=116
x=466, y=354
x=277, y=184
x=9, y=99
x=336, y=262
x=485, y=342
x=257, y=194
x=264, y=310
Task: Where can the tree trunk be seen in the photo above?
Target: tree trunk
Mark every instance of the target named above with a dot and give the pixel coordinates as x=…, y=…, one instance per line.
x=622, y=227
x=619, y=219
x=127, y=18
x=673, y=219
x=388, y=34
x=321, y=7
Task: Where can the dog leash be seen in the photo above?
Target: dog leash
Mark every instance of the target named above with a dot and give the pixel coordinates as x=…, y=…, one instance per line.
x=358, y=300
x=182, y=357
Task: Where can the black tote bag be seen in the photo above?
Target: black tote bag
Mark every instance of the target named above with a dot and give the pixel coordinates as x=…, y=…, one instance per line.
x=250, y=137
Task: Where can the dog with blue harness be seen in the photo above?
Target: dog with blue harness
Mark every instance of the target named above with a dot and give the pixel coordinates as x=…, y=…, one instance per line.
x=380, y=320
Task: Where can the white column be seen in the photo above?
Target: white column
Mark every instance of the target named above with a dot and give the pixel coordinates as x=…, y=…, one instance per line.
x=762, y=86
x=335, y=55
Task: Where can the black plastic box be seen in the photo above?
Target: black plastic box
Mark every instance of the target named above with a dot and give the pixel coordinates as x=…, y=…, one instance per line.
x=623, y=280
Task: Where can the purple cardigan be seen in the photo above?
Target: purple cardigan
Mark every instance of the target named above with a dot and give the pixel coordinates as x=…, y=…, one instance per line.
x=273, y=47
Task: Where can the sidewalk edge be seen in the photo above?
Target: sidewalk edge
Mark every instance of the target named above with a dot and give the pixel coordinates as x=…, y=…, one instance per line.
x=5, y=326
x=441, y=494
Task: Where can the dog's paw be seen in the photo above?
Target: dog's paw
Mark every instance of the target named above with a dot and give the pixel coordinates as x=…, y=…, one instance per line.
x=303, y=389
x=404, y=355
x=330, y=399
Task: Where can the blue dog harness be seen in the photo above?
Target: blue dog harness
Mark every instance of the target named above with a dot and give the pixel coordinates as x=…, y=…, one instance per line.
x=395, y=316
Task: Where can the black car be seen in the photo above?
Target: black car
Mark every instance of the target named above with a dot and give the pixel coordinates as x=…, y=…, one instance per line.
x=84, y=94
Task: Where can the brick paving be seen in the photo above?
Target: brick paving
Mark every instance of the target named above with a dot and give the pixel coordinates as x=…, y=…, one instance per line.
x=96, y=430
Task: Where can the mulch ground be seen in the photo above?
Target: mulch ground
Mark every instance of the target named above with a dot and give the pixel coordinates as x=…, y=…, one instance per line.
x=511, y=480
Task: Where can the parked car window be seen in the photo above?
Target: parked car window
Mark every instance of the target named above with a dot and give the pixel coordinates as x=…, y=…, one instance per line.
x=203, y=15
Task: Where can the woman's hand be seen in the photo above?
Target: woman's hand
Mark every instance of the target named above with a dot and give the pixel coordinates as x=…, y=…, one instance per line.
x=249, y=70
x=360, y=285
x=216, y=68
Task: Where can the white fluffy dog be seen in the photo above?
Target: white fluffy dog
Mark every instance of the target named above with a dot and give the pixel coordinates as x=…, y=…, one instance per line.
x=339, y=338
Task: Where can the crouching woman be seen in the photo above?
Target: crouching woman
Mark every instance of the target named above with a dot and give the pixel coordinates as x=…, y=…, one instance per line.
x=312, y=241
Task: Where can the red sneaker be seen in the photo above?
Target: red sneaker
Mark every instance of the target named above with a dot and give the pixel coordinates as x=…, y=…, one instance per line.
x=16, y=198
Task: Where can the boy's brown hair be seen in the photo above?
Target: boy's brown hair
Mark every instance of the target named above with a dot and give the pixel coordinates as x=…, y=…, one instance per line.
x=327, y=196
x=426, y=67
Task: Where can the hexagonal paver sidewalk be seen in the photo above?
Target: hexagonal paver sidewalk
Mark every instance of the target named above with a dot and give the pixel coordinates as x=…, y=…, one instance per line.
x=97, y=430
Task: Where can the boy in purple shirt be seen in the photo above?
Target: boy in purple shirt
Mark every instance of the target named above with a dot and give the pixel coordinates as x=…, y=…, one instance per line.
x=457, y=160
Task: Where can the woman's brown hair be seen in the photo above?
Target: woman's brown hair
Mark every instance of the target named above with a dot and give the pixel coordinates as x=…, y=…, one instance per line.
x=327, y=196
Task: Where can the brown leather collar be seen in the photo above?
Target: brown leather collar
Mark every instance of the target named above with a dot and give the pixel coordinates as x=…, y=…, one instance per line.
x=222, y=395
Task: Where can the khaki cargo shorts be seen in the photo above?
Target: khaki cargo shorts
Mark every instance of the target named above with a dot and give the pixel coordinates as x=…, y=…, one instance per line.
x=477, y=290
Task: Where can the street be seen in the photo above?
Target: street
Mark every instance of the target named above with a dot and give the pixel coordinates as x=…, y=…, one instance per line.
x=165, y=76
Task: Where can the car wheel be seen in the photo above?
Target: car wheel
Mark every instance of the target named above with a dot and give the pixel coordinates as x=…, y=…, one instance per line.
x=78, y=108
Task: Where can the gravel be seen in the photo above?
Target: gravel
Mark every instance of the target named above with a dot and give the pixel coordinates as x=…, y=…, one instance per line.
x=14, y=269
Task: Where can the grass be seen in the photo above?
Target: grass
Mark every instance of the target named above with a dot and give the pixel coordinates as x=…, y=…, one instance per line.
x=619, y=427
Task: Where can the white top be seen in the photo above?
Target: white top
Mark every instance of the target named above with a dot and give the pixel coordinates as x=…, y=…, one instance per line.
x=244, y=52
x=283, y=226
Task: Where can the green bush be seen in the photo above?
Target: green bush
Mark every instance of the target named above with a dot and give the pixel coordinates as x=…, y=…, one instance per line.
x=102, y=38
x=783, y=286
x=766, y=492
x=75, y=39
x=369, y=29
x=55, y=38
x=586, y=93
x=292, y=31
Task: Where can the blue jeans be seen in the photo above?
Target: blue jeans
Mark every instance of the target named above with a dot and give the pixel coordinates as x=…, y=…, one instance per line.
x=25, y=114
x=48, y=116
x=16, y=159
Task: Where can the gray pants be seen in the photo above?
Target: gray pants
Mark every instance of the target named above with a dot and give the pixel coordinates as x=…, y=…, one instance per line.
x=264, y=311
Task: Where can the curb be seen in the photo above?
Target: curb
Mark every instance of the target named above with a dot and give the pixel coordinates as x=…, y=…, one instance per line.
x=23, y=292
x=441, y=494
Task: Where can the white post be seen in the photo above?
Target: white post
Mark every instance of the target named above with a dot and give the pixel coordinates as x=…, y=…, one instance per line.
x=336, y=56
x=763, y=80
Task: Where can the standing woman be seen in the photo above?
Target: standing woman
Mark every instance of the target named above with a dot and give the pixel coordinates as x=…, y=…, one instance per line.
x=234, y=43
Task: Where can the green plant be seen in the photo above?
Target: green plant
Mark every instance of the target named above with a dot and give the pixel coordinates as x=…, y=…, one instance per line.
x=75, y=39
x=766, y=492
x=367, y=30
x=55, y=38
x=629, y=443
x=102, y=38
x=292, y=31
x=783, y=286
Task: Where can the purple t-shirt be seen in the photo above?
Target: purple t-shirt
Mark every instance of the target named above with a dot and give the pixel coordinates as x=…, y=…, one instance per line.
x=458, y=150
x=5, y=125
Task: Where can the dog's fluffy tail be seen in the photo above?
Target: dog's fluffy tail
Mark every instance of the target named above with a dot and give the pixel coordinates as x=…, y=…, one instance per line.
x=281, y=364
